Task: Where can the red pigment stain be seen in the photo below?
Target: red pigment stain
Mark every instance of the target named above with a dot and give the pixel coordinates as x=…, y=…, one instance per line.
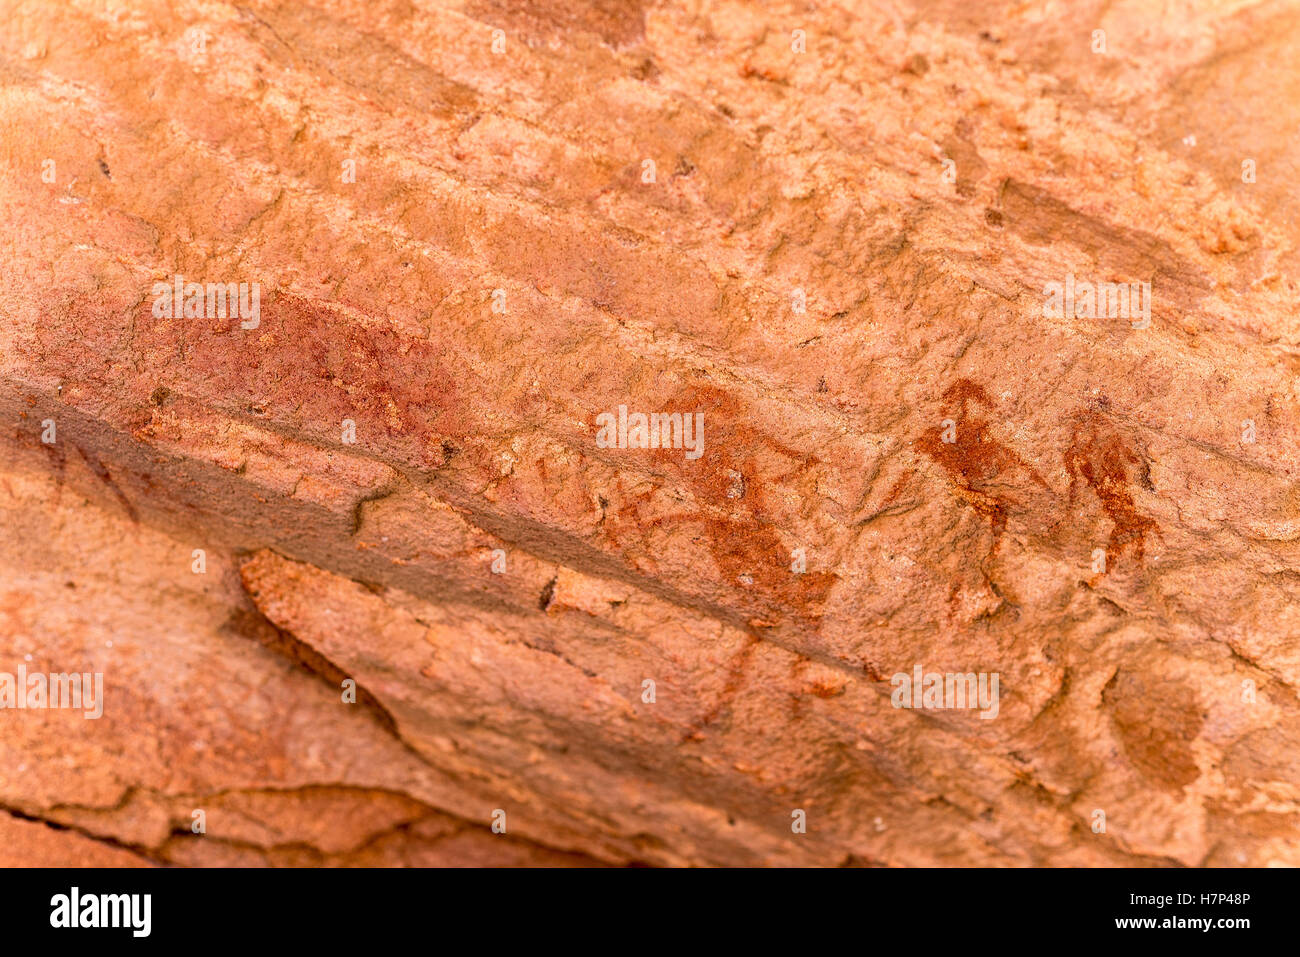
x=322, y=367
x=1098, y=457
x=730, y=688
x=739, y=532
x=976, y=458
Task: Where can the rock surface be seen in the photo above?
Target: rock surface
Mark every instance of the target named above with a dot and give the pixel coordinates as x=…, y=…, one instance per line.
x=834, y=247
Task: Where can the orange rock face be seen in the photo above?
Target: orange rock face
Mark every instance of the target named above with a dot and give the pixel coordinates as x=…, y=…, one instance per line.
x=649, y=433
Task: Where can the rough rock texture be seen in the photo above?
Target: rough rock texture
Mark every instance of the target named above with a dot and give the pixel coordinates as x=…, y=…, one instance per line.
x=222, y=156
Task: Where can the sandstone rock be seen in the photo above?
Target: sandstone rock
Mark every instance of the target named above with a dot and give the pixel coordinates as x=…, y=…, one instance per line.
x=478, y=227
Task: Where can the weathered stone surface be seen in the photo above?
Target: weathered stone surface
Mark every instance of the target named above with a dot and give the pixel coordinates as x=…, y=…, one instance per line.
x=498, y=274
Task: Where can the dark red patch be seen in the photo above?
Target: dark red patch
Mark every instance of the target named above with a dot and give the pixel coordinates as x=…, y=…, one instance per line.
x=1098, y=456
x=976, y=458
x=740, y=533
x=309, y=368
